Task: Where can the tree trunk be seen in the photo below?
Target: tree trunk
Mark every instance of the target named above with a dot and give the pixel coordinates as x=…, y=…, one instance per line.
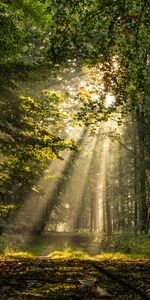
x=108, y=208
x=142, y=173
x=136, y=182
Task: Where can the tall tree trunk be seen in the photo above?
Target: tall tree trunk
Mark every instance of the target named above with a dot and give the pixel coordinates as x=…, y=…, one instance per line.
x=91, y=214
x=108, y=208
x=104, y=216
x=136, y=181
x=142, y=173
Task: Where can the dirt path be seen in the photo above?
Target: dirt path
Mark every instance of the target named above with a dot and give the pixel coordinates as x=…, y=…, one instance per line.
x=43, y=278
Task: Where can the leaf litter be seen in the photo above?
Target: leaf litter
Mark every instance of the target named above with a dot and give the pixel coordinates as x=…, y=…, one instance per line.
x=46, y=278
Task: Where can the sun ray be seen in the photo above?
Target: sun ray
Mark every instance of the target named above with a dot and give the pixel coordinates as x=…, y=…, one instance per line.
x=35, y=204
x=73, y=199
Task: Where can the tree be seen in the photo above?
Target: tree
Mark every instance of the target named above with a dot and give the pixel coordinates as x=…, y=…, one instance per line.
x=124, y=66
x=27, y=146
x=23, y=28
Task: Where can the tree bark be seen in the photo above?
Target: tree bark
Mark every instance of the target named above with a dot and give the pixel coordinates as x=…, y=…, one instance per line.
x=108, y=208
x=142, y=173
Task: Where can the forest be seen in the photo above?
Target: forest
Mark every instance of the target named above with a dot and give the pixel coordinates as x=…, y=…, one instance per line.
x=75, y=149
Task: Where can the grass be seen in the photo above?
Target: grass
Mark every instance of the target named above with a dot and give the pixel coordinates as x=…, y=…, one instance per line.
x=120, y=256
x=71, y=254
x=68, y=253
x=118, y=246
x=10, y=253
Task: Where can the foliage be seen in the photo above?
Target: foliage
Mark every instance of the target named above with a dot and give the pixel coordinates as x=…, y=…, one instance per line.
x=24, y=124
x=5, y=212
x=127, y=243
x=21, y=21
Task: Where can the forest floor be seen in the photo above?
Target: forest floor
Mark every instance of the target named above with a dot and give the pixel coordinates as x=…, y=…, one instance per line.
x=74, y=266
x=43, y=278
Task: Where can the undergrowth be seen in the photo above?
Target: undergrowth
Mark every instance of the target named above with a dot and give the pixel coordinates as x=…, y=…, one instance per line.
x=127, y=243
x=120, y=256
x=118, y=246
x=68, y=253
x=11, y=253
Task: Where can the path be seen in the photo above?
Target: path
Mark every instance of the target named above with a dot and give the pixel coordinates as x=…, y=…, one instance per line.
x=42, y=279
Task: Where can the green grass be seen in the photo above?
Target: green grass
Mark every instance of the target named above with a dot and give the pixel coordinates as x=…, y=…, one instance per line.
x=120, y=256
x=68, y=253
x=10, y=253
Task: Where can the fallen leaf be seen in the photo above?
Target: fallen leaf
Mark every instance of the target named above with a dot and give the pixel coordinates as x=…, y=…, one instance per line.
x=88, y=282
x=101, y=292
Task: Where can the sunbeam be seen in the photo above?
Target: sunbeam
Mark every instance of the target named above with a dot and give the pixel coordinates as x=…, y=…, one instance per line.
x=35, y=205
x=101, y=180
x=76, y=184
x=71, y=195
